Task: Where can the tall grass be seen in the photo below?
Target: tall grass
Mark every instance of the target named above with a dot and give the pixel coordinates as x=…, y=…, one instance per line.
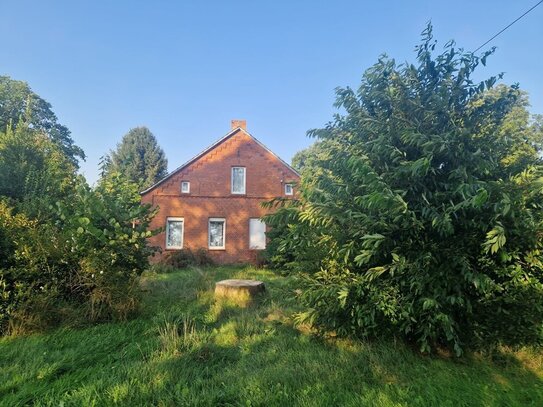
x=186, y=348
x=179, y=333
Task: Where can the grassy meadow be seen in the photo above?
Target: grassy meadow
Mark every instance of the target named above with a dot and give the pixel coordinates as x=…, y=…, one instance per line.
x=185, y=348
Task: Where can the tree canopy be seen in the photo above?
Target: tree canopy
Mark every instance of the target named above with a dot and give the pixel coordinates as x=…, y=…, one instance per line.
x=20, y=105
x=138, y=157
x=309, y=157
x=34, y=171
x=423, y=218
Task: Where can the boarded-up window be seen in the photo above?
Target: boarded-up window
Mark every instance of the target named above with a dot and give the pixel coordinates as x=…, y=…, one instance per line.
x=257, y=234
x=174, y=233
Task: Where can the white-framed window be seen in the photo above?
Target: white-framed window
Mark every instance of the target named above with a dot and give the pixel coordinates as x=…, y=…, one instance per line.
x=217, y=233
x=238, y=180
x=185, y=187
x=257, y=234
x=174, y=233
x=289, y=189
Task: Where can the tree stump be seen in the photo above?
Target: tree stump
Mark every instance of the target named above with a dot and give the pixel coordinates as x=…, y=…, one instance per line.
x=242, y=291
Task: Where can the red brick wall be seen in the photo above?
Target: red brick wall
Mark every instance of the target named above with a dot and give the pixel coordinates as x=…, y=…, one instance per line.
x=210, y=196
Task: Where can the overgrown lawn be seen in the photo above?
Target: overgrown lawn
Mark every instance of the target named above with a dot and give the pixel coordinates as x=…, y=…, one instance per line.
x=188, y=349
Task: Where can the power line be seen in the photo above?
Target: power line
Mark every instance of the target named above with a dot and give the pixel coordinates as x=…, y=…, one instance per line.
x=541, y=1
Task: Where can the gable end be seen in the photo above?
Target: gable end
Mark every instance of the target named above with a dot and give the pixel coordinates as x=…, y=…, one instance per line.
x=212, y=147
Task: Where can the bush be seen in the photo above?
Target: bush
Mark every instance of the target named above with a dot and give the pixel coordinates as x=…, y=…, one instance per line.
x=424, y=219
x=28, y=273
x=181, y=259
x=108, y=229
x=62, y=243
x=90, y=256
x=292, y=244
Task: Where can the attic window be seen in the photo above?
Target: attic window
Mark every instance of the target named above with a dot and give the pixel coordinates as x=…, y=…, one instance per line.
x=238, y=180
x=289, y=190
x=185, y=187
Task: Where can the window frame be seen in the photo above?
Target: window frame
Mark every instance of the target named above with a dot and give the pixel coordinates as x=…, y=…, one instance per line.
x=175, y=219
x=244, y=181
x=223, y=247
x=288, y=184
x=188, y=187
x=265, y=237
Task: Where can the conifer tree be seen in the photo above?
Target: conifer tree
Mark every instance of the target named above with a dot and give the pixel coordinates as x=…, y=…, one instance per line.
x=138, y=157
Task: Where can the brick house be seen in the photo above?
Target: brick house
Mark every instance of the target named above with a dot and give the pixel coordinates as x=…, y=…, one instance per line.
x=213, y=200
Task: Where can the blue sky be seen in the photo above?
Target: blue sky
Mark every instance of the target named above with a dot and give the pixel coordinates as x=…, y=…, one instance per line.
x=185, y=69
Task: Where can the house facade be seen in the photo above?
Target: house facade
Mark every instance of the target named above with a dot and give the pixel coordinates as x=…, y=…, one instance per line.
x=213, y=200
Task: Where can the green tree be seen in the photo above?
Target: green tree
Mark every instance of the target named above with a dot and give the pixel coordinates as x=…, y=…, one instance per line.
x=62, y=243
x=34, y=171
x=138, y=157
x=427, y=207
x=310, y=156
x=19, y=104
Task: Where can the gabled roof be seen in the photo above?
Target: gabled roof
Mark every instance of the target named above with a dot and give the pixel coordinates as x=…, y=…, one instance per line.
x=211, y=147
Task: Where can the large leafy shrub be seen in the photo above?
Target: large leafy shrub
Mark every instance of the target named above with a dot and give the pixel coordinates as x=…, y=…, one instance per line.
x=107, y=228
x=88, y=258
x=426, y=210
x=62, y=243
x=12, y=294
x=293, y=244
x=34, y=173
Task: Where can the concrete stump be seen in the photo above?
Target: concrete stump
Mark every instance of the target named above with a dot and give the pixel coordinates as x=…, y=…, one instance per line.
x=239, y=290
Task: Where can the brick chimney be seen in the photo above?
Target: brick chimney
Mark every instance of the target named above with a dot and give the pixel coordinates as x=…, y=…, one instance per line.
x=239, y=123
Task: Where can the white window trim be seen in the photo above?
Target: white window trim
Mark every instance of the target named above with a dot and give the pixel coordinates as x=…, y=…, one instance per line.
x=223, y=234
x=232, y=181
x=188, y=187
x=175, y=219
x=291, y=189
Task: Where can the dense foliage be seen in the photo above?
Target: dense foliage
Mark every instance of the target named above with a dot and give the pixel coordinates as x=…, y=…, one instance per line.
x=139, y=158
x=309, y=158
x=423, y=218
x=87, y=255
x=63, y=245
x=34, y=171
x=18, y=101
